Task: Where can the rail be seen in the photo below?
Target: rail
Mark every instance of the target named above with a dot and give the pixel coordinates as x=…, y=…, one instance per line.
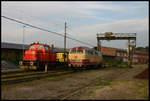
x=30, y=76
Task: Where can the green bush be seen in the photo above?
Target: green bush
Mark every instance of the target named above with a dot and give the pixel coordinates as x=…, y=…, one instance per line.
x=4, y=56
x=116, y=63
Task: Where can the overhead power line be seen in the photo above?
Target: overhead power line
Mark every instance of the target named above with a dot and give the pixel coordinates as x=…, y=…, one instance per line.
x=30, y=25
x=22, y=13
x=45, y=30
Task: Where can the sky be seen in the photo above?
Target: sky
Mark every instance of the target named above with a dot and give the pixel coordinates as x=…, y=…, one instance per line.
x=84, y=20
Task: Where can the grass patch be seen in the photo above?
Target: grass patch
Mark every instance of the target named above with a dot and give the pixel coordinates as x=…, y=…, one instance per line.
x=102, y=84
x=53, y=78
x=105, y=83
x=117, y=64
x=3, y=98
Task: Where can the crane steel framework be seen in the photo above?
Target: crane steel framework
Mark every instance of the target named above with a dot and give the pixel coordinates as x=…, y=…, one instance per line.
x=119, y=36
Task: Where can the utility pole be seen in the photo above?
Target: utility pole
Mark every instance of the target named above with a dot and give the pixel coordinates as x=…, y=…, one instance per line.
x=65, y=44
x=98, y=44
x=23, y=41
x=129, y=57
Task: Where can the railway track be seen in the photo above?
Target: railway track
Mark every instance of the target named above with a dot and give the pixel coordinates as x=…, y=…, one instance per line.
x=17, y=76
x=24, y=76
x=81, y=89
x=77, y=91
x=3, y=72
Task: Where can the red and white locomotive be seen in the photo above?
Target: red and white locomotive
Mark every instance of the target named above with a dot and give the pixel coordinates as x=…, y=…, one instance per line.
x=38, y=56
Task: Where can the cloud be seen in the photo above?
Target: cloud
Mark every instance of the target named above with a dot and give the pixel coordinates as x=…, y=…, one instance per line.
x=86, y=18
x=85, y=33
x=139, y=26
x=102, y=6
x=12, y=32
x=135, y=25
x=63, y=10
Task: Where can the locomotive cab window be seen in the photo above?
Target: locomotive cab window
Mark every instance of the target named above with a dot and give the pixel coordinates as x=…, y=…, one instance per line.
x=79, y=51
x=46, y=48
x=72, y=51
x=88, y=52
x=40, y=47
x=32, y=47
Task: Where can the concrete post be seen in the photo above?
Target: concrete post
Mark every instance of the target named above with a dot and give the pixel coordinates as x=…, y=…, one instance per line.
x=129, y=62
x=45, y=67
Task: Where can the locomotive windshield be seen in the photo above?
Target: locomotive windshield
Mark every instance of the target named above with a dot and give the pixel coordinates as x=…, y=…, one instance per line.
x=79, y=51
x=46, y=48
x=32, y=47
x=72, y=51
x=76, y=51
x=39, y=47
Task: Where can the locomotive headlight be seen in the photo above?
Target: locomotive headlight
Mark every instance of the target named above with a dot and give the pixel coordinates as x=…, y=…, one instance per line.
x=20, y=63
x=31, y=63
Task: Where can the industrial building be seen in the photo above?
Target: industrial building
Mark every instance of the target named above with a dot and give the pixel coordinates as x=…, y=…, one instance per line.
x=139, y=56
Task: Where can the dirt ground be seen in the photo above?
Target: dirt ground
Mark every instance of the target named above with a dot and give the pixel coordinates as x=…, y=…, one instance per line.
x=105, y=83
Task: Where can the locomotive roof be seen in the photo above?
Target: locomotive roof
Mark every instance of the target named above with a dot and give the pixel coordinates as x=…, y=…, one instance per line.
x=38, y=44
x=86, y=48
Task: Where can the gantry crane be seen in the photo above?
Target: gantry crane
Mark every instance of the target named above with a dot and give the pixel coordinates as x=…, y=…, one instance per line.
x=119, y=36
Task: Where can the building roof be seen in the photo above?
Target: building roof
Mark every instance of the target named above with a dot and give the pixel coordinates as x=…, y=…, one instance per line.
x=108, y=51
x=144, y=52
x=7, y=45
x=14, y=45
